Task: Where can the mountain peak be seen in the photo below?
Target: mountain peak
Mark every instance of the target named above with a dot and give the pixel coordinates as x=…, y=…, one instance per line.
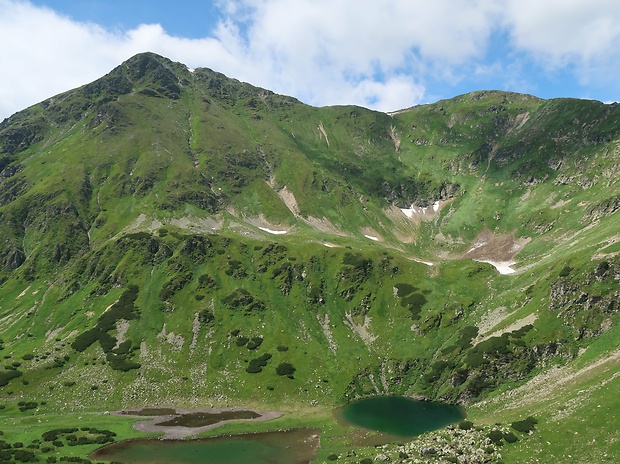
x=147, y=73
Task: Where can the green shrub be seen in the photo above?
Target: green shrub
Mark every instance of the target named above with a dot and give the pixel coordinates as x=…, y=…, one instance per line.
x=26, y=405
x=405, y=289
x=510, y=437
x=7, y=376
x=436, y=369
x=123, y=348
x=521, y=332
x=24, y=456
x=475, y=358
x=414, y=303
x=241, y=299
x=107, y=342
x=242, y=341
x=206, y=317
x=121, y=363
x=123, y=309
x=496, y=436
x=468, y=333
x=565, y=271
x=207, y=282
x=256, y=365
x=525, y=426
x=282, y=348
x=285, y=369
x=85, y=339
x=466, y=425
x=254, y=343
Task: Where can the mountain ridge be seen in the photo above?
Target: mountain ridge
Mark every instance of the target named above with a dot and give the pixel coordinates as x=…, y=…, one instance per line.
x=170, y=236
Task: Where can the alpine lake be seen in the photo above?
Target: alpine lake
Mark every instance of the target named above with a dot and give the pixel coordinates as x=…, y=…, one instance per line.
x=392, y=417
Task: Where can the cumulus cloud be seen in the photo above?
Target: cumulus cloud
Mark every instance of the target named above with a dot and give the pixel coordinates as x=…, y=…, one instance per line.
x=383, y=55
x=316, y=47
x=565, y=30
x=44, y=53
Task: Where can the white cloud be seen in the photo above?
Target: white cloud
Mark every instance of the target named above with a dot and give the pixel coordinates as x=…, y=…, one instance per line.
x=382, y=55
x=321, y=51
x=565, y=30
x=44, y=53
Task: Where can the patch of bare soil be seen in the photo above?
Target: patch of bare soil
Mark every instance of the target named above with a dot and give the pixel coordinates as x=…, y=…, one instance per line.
x=289, y=200
x=529, y=319
x=323, y=225
x=198, y=225
x=362, y=330
x=495, y=248
x=174, y=432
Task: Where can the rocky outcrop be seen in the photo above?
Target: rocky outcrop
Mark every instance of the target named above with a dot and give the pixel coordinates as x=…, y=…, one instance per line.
x=13, y=258
x=602, y=209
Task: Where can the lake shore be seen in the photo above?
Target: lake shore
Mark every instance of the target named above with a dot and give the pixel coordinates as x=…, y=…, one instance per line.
x=154, y=422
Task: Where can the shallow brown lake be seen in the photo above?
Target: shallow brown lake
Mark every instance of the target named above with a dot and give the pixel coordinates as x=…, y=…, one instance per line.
x=296, y=446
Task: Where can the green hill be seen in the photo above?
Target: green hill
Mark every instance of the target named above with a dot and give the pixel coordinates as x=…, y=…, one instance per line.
x=178, y=238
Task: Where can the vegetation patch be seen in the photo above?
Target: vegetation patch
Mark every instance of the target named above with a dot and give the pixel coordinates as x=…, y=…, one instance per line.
x=241, y=299
x=256, y=365
x=123, y=309
x=286, y=369
x=7, y=375
x=526, y=425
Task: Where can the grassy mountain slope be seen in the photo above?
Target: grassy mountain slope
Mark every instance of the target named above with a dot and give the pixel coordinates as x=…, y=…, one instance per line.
x=175, y=237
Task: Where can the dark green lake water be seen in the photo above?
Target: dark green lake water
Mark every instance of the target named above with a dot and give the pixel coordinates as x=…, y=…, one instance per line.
x=286, y=447
x=399, y=416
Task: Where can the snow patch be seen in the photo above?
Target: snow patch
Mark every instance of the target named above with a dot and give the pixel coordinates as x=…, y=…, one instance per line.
x=503, y=267
x=329, y=245
x=372, y=237
x=426, y=212
x=275, y=232
x=409, y=212
x=428, y=263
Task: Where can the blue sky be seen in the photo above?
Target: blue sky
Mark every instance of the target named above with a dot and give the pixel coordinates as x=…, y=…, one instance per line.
x=380, y=54
x=183, y=18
